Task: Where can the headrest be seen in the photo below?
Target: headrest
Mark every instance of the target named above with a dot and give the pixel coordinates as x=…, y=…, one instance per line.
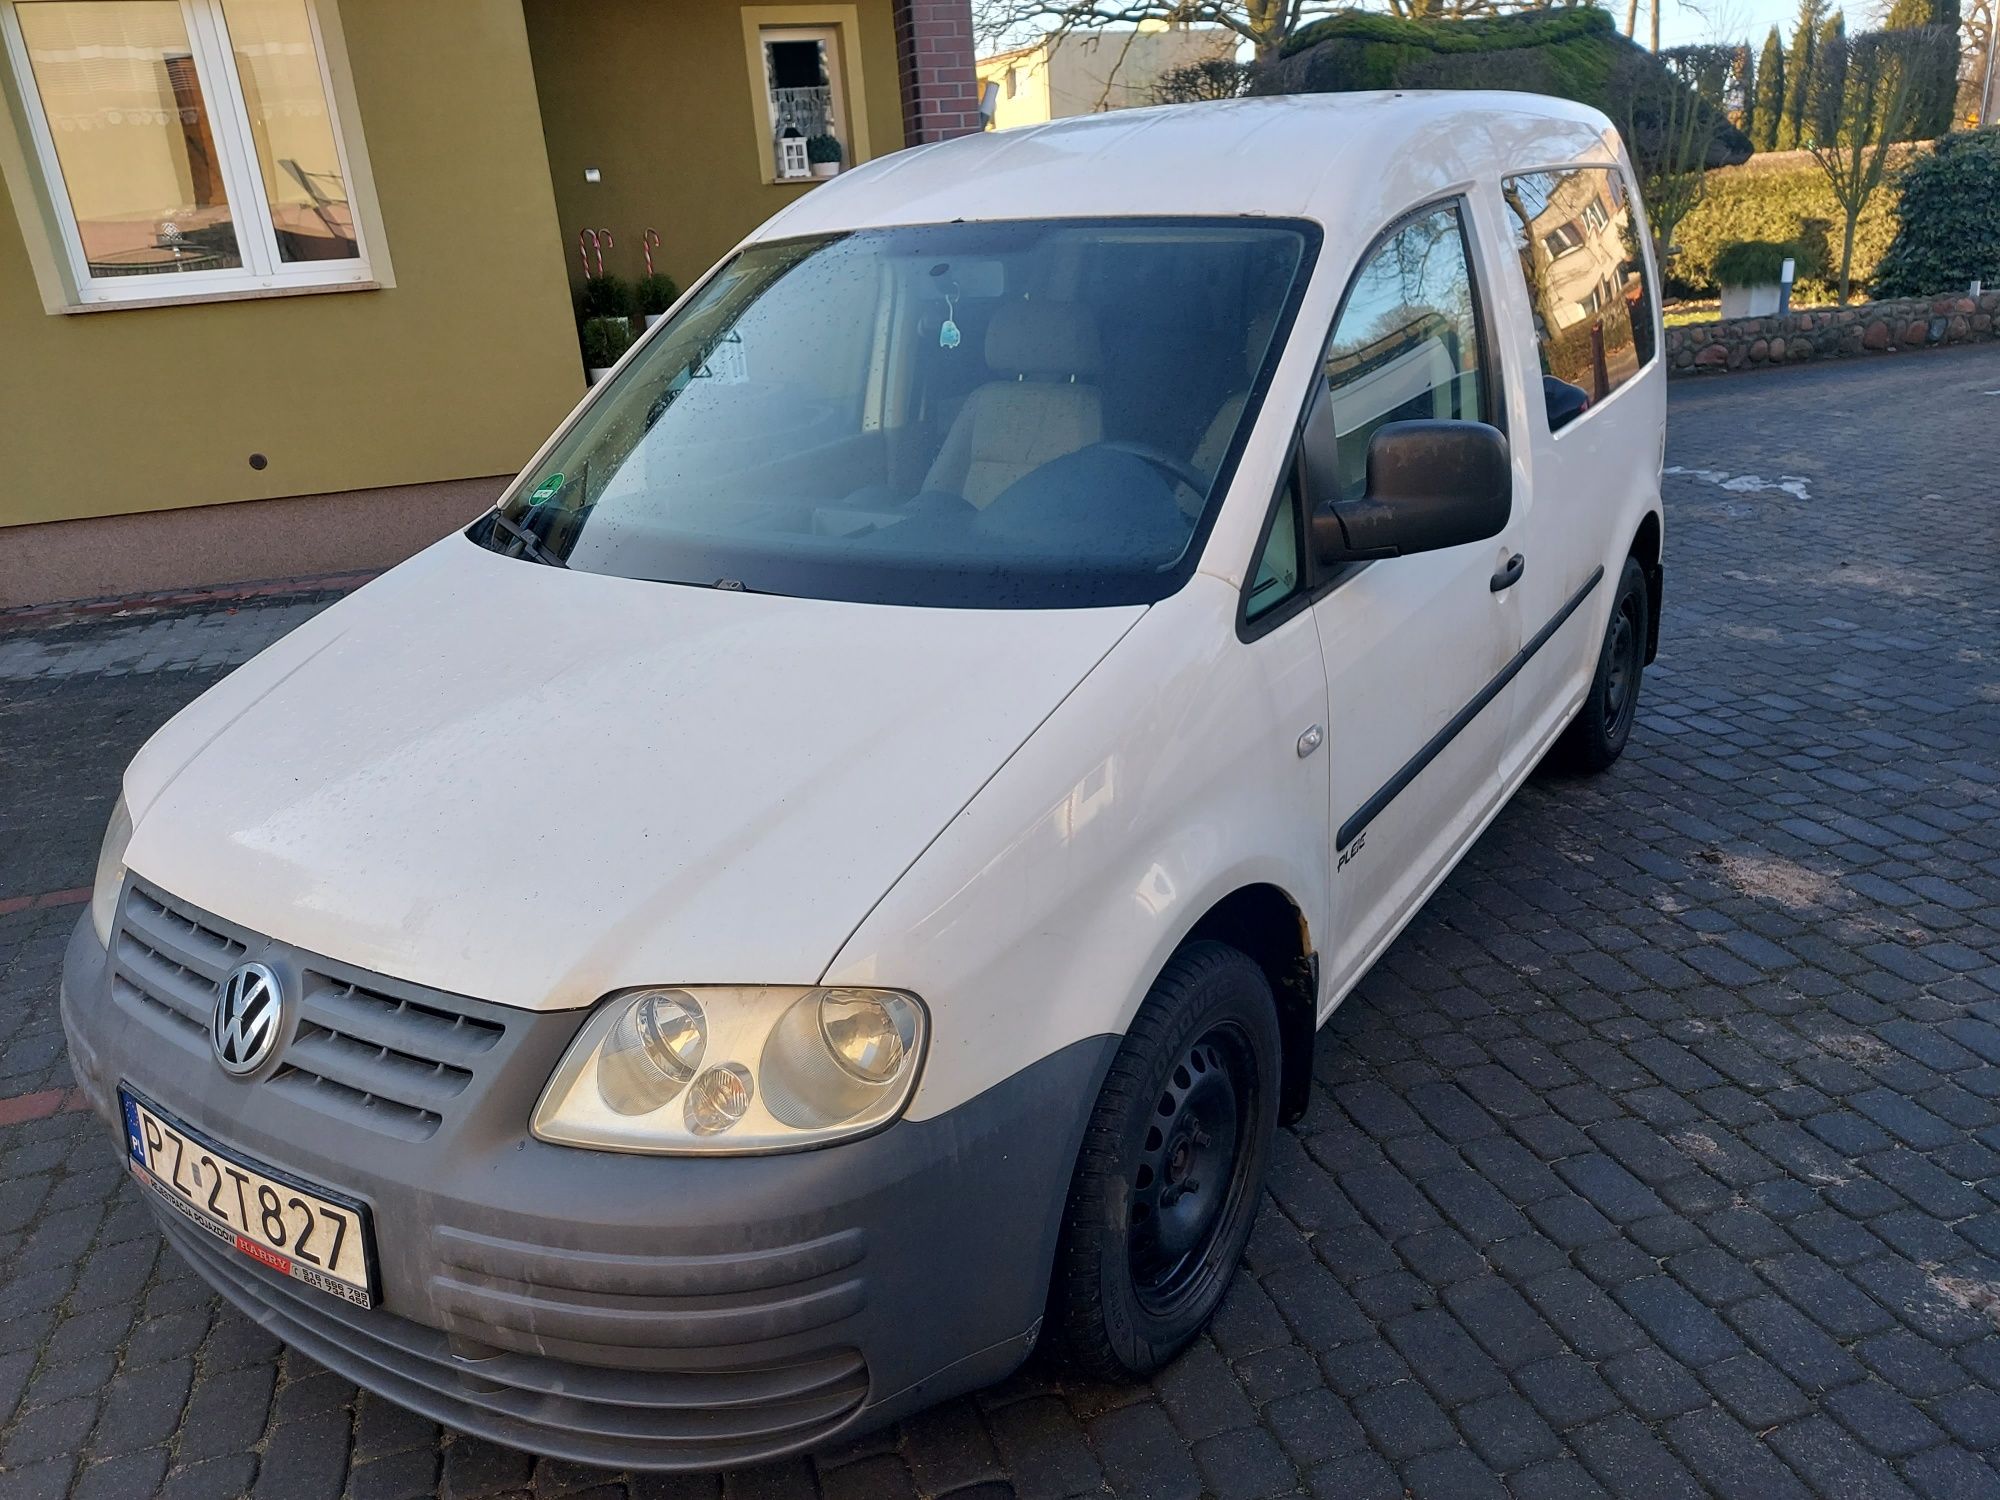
x=1042, y=339
x=1258, y=340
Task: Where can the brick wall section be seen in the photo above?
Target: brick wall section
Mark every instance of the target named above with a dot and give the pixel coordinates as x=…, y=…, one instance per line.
x=1833, y=333
x=934, y=58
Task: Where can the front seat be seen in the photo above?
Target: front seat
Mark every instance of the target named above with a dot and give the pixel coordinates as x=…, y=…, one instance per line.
x=1208, y=453
x=1041, y=403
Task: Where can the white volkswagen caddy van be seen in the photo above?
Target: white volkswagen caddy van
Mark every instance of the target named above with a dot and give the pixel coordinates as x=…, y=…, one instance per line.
x=834, y=879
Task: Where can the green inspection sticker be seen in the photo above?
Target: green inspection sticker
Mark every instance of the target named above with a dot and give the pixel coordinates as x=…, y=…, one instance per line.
x=547, y=490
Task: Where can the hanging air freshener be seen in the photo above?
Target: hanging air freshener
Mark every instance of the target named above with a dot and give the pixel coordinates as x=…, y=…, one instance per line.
x=948, y=334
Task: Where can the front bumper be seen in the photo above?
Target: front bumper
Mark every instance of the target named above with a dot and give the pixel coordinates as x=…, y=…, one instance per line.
x=630, y=1311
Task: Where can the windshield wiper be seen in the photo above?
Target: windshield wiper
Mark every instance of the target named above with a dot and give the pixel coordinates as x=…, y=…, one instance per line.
x=531, y=545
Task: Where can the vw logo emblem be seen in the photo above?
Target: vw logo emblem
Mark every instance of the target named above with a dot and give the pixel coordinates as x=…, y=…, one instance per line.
x=247, y=1013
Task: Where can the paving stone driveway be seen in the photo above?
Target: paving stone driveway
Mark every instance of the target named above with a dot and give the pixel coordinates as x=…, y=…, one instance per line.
x=1661, y=1156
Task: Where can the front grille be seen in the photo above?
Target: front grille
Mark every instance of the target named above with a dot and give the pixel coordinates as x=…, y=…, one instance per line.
x=170, y=961
x=368, y=1050
x=696, y=1413
x=384, y=1061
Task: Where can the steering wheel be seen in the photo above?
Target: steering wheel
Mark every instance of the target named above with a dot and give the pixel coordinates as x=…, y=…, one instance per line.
x=1178, y=470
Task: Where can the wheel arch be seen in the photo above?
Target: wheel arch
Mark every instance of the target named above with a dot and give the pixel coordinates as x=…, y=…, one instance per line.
x=1266, y=924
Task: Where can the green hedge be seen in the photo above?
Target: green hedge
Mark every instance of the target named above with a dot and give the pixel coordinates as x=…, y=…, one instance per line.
x=1574, y=53
x=1568, y=53
x=1780, y=196
x=1479, y=34
x=1949, y=208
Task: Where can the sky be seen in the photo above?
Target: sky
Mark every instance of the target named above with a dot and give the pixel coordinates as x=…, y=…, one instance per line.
x=1731, y=20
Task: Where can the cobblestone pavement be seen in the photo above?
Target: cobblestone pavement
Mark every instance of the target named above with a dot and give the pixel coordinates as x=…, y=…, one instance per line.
x=1661, y=1156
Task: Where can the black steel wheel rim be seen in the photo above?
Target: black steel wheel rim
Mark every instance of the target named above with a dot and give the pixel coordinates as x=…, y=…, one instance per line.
x=1621, y=666
x=1191, y=1184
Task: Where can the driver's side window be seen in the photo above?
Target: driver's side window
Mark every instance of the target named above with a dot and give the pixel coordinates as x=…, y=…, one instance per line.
x=1406, y=346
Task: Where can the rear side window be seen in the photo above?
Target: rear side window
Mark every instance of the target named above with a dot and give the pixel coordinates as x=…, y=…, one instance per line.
x=1407, y=345
x=1578, y=244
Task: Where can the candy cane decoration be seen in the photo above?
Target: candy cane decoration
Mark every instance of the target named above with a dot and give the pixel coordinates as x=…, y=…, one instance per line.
x=646, y=243
x=603, y=243
x=585, y=238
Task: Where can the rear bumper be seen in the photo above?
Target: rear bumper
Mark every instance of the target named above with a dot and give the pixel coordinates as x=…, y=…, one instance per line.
x=630, y=1311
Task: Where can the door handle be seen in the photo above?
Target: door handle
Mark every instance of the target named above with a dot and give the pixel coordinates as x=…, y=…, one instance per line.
x=1509, y=575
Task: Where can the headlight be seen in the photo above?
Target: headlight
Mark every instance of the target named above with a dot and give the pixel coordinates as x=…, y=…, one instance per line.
x=734, y=1069
x=110, y=872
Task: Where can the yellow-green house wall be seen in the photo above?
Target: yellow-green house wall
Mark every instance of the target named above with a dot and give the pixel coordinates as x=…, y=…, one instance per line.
x=459, y=369
x=656, y=94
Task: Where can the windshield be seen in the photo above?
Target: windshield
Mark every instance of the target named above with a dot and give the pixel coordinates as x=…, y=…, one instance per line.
x=1015, y=415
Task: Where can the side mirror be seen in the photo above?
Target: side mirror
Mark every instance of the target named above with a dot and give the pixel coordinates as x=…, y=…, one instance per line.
x=1430, y=485
x=1565, y=402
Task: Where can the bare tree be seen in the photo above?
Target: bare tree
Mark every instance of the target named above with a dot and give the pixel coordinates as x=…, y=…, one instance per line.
x=1721, y=23
x=1886, y=80
x=1453, y=10
x=1264, y=24
x=1673, y=114
x=1977, y=65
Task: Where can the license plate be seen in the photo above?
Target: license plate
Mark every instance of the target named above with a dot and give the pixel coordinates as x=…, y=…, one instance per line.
x=291, y=1226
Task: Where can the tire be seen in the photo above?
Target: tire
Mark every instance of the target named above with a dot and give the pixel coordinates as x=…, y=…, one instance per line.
x=1596, y=736
x=1172, y=1167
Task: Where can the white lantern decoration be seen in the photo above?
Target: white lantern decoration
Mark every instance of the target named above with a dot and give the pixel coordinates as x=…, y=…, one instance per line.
x=792, y=160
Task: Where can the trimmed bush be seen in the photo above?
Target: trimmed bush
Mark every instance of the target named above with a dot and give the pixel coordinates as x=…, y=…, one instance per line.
x=1948, y=209
x=604, y=341
x=1781, y=197
x=604, y=297
x=655, y=293
x=1752, y=262
x=1209, y=78
x=1487, y=34
x=1573, y=53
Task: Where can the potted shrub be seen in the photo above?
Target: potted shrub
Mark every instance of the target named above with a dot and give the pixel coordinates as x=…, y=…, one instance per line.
x=1749, y=273
x=655, y=295
x=824, y=152
x=605, y=297
x=605, y=341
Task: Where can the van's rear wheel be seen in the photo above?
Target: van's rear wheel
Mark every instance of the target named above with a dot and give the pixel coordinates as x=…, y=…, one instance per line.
x=1172, y=1167
x=1596, y=736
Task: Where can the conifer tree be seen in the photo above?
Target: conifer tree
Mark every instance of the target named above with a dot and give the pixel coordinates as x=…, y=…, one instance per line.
x=1792, y=130
x=1762, y=123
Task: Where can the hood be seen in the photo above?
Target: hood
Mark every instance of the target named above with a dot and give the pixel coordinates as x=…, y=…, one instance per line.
x=534, y=785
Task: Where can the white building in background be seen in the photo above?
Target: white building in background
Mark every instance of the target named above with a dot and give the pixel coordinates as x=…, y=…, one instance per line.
x=1086, y=73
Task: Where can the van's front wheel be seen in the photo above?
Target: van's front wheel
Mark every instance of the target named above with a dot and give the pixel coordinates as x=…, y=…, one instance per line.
x=1172, y=1167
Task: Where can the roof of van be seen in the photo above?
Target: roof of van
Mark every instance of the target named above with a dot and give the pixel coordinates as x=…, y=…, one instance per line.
x=1330, y=157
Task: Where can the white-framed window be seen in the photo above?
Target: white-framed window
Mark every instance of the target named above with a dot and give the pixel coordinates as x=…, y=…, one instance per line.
x=1562, y=240
x=188, y=147
x=804, y=96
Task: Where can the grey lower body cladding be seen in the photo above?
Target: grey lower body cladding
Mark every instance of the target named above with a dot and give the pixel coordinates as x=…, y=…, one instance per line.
x=623, y=1310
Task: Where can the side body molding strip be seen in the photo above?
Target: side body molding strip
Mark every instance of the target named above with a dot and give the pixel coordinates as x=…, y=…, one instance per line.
x=1414, y=766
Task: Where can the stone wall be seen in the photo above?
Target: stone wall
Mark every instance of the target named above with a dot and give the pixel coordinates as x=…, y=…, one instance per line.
x=1832, y=333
